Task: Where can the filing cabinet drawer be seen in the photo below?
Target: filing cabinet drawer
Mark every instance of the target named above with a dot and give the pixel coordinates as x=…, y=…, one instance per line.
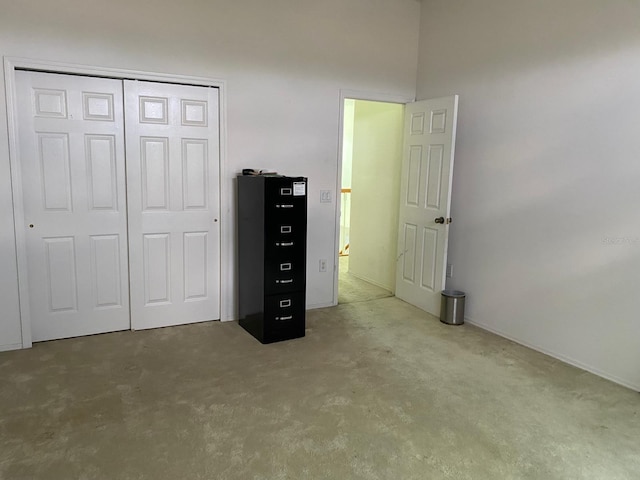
x=283, y=200
x=280, y=214
x=284, y=312
x=284, y=275
x=277, y=249
x=286, y=192
x=285, y=237
x=283, y=229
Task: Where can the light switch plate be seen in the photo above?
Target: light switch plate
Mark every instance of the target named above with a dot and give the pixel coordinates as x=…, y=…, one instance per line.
x=325, y=196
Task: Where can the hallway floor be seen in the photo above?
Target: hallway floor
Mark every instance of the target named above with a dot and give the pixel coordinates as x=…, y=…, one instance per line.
x=353, y=289
x=377, y=390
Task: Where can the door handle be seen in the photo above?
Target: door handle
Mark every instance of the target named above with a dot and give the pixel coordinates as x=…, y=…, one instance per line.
x=440, y=220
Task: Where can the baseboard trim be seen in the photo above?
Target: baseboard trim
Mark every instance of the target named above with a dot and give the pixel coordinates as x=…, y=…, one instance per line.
x=558, y=356
x=10, y=346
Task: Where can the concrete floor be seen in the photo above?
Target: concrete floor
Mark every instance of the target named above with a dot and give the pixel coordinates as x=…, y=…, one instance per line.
x=376, y=390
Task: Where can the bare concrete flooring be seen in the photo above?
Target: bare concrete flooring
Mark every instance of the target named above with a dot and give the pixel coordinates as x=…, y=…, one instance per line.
x=376, y=390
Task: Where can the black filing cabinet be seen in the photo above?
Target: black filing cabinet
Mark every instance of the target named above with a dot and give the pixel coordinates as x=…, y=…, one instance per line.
x=272, y=247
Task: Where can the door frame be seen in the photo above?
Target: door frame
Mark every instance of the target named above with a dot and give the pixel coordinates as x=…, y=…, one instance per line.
x=352, y=95
x=11, y=64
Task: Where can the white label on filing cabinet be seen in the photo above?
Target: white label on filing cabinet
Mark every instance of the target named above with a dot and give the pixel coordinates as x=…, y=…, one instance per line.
x=285, y=191
x=285, y=229
x=285, y=303
x=285, y=266
x=299, y=189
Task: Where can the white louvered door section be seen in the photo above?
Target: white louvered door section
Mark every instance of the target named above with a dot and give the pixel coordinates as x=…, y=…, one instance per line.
x=87, y=256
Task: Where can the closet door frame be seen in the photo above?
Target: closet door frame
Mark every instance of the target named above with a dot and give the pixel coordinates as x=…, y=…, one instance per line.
x=11, y=64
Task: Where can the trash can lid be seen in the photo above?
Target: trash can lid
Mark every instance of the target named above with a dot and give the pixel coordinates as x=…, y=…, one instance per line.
x=453, y=293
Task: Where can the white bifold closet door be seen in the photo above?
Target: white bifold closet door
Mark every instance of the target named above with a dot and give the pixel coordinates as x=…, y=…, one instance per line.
x=173, y=195
x=121, y=203
x=71, y=154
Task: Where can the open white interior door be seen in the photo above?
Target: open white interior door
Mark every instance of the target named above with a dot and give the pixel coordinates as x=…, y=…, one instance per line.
x=425, y=201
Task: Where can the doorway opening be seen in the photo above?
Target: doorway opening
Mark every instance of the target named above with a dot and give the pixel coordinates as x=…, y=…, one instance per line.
x=372, y=142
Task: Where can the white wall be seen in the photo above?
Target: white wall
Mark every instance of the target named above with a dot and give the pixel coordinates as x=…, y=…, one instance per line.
x=546, y=191
x=347, y=141
x=347, y=157
x=284, y=62
x=375, y=197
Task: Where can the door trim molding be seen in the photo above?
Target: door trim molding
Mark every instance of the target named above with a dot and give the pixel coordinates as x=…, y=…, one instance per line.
x=352, y=95
x=11, y=64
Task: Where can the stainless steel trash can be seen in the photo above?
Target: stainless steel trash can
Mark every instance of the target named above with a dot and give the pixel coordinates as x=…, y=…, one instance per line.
x=452, y=307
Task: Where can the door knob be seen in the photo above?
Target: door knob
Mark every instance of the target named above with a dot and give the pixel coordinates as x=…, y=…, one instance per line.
x=440, y=220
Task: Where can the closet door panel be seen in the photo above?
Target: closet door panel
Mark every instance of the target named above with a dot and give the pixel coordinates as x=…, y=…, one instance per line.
x=173, y=203
x=72, y=167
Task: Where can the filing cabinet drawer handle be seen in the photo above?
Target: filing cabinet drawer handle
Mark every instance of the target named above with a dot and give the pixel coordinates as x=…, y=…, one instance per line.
x=289, y=317
x=285, y=266
x=285, y=191
x=288, y=280
x=284, y=205
x=285, y=229
x=284, y=244
x=285, y=303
